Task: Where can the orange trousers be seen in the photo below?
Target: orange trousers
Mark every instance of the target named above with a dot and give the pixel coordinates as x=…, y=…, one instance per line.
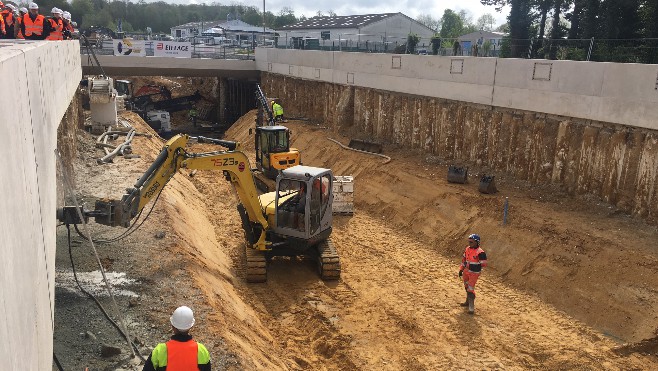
x=470, y=279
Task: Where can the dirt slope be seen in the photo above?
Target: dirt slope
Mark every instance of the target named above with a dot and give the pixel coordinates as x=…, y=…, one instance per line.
x=569, y=279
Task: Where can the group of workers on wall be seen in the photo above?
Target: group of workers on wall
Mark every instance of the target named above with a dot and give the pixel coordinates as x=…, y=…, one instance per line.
x=28, y=24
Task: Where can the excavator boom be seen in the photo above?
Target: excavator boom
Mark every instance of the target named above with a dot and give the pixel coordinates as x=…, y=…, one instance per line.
x=173, y=157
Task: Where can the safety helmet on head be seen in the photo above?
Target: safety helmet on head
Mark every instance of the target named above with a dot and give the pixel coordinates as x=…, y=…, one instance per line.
x=33, y=6
x=66, y=15
x=475, y=237
x=12, y=7
x=23, y=10
x=182, y=318
x=56, y=11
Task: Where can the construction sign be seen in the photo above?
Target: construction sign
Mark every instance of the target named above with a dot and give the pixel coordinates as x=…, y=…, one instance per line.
x=172, y=49
x=129, y=47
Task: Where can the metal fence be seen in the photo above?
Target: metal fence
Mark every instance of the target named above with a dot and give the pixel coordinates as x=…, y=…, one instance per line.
x=199, y=50
x=599, y=50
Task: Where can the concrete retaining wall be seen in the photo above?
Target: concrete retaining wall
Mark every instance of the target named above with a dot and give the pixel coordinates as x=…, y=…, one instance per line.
x=625, y=94
x=40, y=79
x=510, y=128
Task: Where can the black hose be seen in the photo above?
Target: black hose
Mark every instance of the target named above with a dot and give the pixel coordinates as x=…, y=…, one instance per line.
x=100, y=306
x=59, y=366
x=132, y=227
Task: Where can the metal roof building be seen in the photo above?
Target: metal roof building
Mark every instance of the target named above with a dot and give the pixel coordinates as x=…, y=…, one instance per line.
x=385, y=28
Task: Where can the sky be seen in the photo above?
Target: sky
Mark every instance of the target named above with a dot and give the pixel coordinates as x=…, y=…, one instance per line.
x=411, y=8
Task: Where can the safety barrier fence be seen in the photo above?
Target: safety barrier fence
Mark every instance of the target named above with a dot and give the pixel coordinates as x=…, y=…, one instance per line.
x=600, y=50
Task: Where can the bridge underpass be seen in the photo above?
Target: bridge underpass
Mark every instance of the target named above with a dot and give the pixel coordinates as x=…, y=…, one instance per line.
x=236, y=83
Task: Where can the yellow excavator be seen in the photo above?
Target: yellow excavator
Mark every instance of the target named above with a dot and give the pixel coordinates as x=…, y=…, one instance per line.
x=272, y=146
x=293, y=220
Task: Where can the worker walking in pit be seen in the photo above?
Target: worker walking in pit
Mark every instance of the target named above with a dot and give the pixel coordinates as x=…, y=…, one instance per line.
x=277, y=111
x=473, y=260
x=192, y=115
x=181, y=352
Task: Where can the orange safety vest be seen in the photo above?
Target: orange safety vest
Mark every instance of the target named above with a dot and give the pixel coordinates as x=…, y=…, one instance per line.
x=2, y=24
x=57, y=27
x=9, y=18
x=182, y=355
x=35, y=27
x=473, y=260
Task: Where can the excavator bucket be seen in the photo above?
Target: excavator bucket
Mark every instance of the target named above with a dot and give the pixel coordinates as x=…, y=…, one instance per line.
x=487, y=184
x=457, y=174
x=364, y=145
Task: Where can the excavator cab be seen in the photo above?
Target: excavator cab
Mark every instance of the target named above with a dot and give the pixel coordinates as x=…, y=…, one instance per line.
x=303, y=204
x=273, y=152
x=124, y=87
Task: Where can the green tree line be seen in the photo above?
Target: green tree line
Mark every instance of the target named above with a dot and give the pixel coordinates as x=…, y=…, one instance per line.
x=603, y=30
x=161, y=16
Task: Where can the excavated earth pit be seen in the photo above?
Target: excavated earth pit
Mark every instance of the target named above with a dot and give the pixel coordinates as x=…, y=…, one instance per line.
x=571, y=282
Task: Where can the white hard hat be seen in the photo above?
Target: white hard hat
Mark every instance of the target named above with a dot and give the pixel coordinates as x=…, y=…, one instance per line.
x=67, y=15
x=56, y=11
x=12, y=7
x=182, y=319
x=23, y=9
x=33, y=6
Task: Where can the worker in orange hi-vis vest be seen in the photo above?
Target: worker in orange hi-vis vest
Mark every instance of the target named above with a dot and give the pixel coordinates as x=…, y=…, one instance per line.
x=473, y=260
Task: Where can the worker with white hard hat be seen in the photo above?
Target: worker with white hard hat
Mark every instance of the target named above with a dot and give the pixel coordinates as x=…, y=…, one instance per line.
x=18, y=34
x=34, y=26
x=68, y=27
x=56, y=25
x=7, y=20
x=181, y=352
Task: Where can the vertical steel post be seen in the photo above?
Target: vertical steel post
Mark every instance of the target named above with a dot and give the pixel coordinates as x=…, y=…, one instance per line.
x=505, y=209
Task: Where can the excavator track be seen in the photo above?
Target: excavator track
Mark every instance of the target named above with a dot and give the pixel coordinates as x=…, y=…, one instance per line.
x=328, y=261
x=256, y=265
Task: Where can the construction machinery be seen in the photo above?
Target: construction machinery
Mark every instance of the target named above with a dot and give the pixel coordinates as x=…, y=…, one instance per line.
x=151, y=98
x=272, y=146
x=294, y=220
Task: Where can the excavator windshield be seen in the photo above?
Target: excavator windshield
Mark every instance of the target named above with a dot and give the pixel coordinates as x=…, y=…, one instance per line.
x=275, y=139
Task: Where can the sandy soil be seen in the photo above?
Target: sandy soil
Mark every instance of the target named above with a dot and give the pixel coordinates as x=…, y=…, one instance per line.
x=571, y=280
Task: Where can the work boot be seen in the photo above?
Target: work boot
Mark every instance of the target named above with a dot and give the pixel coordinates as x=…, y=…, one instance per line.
x=471, y=303
x=465, y=303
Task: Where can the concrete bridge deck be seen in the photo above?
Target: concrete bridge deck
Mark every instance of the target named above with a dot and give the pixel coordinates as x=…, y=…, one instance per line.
x=164, y=66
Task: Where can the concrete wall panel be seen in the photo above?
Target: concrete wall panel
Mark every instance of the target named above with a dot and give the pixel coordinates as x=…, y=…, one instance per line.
x=45, y=76
x=608, y=92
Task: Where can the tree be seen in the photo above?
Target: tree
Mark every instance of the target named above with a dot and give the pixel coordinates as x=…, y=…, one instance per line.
x=485, y=22
x=429, y=21
x=451, y=25
x=412, y=41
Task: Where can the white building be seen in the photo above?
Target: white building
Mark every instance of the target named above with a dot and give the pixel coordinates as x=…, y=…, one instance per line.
x=370, y=31
x=234, y=30
x=488, y=42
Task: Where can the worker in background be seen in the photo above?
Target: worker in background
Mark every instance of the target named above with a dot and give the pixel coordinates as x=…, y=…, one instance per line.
x=56, y=25
x=181, y=352
x=34, y=25
x=192, y=115
x=473, y=260
x=3, y=31
x=8, y=14
x=277, y=111
x=18, y=33
x=68, y=26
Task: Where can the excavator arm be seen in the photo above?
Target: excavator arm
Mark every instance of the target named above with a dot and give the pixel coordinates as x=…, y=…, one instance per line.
x=232, y=162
